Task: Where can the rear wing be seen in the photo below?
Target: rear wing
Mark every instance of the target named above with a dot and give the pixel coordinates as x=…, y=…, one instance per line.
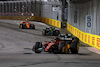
x=62, y=38
x=63, y=35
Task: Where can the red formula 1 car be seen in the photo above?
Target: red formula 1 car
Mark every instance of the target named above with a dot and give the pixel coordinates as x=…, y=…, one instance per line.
x=26, y=25
x=58, y=45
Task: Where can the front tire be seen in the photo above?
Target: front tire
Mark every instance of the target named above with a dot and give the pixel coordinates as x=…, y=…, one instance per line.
x=61, y=45
x=43, y=32
x=37, y=46
x=21, y=26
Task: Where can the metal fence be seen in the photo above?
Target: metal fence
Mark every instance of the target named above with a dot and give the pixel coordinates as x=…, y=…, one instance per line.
x=17, y=8
x=42, y=8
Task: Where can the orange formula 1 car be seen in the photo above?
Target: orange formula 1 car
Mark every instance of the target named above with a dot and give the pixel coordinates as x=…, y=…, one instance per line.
x=26, y=25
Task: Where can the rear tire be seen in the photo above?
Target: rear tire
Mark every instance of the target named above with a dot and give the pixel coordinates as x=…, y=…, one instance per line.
x=33, y=27
x=74, y=46
x=76, y=39
x=56, y=32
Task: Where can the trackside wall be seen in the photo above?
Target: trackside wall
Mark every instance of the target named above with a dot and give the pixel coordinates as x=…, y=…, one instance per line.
x=77, y=22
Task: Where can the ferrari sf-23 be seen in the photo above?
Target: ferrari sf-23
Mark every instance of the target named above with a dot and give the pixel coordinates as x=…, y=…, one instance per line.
x=58, y=45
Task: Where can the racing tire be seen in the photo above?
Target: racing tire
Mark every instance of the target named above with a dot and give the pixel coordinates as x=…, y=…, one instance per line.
x=37, y=51
x=21, y=26
x=43, y=32
x=37, y=46
x=56, y=32
x=76, y=39
x=50, y=49
x=33, y=27
x=60, y=47
x=74, y=46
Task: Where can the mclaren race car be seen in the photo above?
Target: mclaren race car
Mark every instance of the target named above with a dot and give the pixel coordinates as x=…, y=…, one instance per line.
x=26, y=25
x=50, y=31
x=58, y=45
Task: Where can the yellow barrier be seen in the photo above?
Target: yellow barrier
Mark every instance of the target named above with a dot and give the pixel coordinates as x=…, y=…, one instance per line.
x=52, y=22
x=92, y=40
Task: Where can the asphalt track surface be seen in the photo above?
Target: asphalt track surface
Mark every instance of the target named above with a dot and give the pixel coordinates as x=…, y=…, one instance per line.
x=16, y=45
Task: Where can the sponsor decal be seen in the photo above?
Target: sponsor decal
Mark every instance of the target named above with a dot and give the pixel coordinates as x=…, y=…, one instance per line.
x=58, y=24
x=98, y=42
x=93, y=40
x=54, y=22
x=51, y=22
x=82, y=36
x=79, y=34
x=47, y=20
x=75, y=31
x=89, y=39
x=85, y=38
x=71, y=29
